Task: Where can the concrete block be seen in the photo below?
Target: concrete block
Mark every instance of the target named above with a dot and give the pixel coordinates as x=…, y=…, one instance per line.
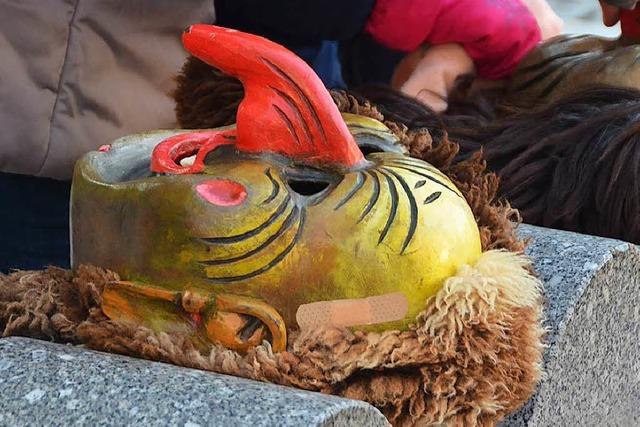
x=50, y=384
x=592, y=365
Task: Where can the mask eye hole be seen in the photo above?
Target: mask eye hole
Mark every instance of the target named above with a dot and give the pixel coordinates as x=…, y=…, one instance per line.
x=370, y=149
x=310, y=183
x=307, y=186
x=369, y=144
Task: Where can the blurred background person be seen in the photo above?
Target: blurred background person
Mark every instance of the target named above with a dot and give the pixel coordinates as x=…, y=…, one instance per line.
x=73, y=76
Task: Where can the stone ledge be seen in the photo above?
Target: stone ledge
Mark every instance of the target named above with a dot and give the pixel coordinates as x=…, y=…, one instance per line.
x=592, y=363
x=51, y=384
x=592, y=312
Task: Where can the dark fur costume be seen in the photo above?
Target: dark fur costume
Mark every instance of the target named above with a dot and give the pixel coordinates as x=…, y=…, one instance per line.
x=573, y=164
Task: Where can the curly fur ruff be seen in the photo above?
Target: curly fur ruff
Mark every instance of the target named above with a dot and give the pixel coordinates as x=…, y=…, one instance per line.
x=472, y=356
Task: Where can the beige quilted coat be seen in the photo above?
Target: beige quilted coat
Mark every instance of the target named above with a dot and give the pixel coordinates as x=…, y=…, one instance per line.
x=76, y=74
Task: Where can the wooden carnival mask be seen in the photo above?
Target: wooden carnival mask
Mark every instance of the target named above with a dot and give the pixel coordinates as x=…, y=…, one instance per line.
x=566, y=64
x=277, y=223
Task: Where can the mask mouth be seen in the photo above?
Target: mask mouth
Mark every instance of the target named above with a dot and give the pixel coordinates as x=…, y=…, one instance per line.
x=253, y=327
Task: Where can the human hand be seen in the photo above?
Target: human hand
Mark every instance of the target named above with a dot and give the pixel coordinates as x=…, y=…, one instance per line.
x=430, y=73
x=465, y=38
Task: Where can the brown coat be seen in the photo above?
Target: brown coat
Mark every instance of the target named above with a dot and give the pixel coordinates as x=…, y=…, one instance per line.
x=76, y=74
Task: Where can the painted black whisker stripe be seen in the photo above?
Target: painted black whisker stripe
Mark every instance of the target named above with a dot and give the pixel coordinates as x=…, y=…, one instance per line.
x=273, y=262
x=288, y=123
x=429, y=177
x=420, y=183
x=243, y=236
x=314, y=114
x=405, y=159
x=286, y=225
x=432, y=197
x=416, y=162
x=275, y=187
x=413, y=209
x=358, y=185
x=374, y=195
x=393, y=193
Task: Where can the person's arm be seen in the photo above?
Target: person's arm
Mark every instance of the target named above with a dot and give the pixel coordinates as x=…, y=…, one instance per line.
x=496, y=34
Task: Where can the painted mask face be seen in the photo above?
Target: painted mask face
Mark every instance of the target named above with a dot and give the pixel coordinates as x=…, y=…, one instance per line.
x=277, y=223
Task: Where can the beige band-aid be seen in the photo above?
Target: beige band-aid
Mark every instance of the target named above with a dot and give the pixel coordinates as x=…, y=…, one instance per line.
x=353, y=312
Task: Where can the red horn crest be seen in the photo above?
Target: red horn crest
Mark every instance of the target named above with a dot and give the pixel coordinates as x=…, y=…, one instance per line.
x=286, y=108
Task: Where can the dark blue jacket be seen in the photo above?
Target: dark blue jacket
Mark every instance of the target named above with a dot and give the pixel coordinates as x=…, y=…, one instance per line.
x=312, y=29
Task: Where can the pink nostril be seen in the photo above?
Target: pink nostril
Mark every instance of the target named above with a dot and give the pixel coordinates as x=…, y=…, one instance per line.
x=222, y=192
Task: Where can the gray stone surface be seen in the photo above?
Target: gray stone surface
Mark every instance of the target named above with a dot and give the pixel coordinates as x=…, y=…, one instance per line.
x=592, y=365
x=50, y=384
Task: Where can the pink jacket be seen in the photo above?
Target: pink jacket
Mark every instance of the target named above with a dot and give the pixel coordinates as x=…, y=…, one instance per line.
x=496, y=34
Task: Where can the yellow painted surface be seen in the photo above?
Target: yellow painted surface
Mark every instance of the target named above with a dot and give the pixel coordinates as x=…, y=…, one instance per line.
x=395, y=225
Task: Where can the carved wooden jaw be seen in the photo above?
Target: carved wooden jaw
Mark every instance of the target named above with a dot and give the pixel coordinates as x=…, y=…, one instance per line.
x=286, y=109
x=235, y=321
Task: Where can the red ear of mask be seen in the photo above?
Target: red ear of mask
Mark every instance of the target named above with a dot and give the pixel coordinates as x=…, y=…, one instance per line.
x=167, y=155
x=286, y=108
